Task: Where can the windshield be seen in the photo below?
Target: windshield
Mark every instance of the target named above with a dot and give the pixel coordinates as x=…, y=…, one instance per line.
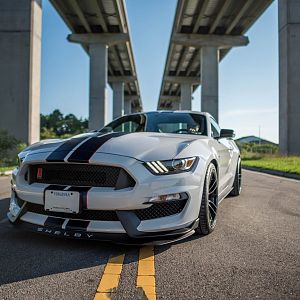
x=180, y=123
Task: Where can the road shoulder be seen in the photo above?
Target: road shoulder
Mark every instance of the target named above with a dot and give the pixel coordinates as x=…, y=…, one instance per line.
x=273, y=172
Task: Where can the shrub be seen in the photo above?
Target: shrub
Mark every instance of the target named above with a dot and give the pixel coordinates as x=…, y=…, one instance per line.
x=9, y=147
x=56, y=124
x=256, y=151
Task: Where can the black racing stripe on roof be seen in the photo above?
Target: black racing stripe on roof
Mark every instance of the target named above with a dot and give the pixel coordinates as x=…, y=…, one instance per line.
x=63, y=150
x=85, y=151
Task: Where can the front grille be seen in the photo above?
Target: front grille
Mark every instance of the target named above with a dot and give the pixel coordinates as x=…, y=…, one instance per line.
x=157, y=210
x=80, y=175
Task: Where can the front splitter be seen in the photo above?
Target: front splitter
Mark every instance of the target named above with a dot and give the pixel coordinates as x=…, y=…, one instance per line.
x=161, y=238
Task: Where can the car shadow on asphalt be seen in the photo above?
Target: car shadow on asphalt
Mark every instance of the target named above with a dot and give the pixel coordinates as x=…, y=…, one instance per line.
x=163, y=248
x=27, y=255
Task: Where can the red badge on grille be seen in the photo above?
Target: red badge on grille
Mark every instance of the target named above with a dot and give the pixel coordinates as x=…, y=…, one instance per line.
x=39, y=174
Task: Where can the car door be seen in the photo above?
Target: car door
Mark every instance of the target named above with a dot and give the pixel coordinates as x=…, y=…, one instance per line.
x=225, y=153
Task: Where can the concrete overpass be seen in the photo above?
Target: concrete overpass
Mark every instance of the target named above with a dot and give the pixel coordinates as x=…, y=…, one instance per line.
x=204, y=32
x=100, y=26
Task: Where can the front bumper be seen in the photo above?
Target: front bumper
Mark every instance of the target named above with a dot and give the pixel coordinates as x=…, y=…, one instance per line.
x=124, y=230
x=119, y=238
x=79, y=229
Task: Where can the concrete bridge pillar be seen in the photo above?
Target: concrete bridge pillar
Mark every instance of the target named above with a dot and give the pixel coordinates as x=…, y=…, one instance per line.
x=176, y=105
x=131, y=105
x=289, y=76
x=184, y=101
x=127, y=106
x=209, y=45
x=118, y=99
x=20, y=62
x=210, y=81
x=98, y=47
x=98, y=86
x=186, y=96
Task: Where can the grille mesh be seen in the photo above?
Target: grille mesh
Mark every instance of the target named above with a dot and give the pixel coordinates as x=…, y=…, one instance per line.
x=153, y=212
x=159, y=210
x=77, y=175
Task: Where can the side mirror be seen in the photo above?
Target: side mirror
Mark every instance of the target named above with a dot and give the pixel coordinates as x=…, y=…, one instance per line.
x=227, y=133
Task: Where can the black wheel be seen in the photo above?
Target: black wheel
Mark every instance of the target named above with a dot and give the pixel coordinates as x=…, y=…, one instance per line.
x=237, y=184
x=209, y=202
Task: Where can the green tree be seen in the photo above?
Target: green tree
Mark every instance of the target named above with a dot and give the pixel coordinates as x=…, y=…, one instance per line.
x=7, y=143
x=58, y=125
x=9, y=147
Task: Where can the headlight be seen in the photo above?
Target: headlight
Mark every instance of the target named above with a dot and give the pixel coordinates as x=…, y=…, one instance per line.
x=164, y=167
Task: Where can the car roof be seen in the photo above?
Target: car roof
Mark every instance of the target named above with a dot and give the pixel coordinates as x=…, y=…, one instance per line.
x=172, y=111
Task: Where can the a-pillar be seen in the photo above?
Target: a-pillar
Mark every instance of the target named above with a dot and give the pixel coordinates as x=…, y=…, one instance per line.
x=20, y=61
x=186, y=96
x=289, y=76
x=210, y=81
x=98, y=86
x=118, y=99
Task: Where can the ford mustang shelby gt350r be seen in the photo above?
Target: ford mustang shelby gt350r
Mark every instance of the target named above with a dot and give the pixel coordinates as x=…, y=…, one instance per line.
x=145, y=177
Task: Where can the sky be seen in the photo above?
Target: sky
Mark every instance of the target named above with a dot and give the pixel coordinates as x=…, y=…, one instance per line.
x=248, y=76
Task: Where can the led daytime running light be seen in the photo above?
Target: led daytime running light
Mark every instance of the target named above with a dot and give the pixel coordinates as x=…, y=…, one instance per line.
x=171, y=166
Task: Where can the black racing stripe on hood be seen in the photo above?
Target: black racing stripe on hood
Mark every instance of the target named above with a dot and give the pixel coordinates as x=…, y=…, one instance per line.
x=63, y=150
x=85, y=151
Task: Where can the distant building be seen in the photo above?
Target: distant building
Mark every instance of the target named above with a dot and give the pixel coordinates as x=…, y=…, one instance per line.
x=254, y=139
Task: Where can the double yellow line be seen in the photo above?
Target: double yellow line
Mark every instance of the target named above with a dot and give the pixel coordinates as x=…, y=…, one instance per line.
x=146, y=273
x=145, y=276
x=110, y=278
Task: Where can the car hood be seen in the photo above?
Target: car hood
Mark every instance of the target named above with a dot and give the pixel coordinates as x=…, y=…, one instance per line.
x=50, y=145
x=144, y=146
x=148, y=146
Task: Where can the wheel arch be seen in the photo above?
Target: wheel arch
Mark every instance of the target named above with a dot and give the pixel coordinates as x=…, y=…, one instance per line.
x=214, y=161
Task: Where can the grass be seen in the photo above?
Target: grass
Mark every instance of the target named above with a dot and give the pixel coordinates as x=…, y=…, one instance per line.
x=4, y=169
x=288, y=164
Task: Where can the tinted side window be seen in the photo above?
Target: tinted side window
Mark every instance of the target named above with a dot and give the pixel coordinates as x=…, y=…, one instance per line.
x=128, y=124
x=215, y=129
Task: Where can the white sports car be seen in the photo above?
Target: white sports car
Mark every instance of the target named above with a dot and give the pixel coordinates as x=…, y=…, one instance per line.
x=144, y=178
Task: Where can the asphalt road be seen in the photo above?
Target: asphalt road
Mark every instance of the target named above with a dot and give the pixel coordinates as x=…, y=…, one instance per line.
x=253, y=253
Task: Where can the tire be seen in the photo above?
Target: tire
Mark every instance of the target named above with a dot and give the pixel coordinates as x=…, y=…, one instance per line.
x=209, y=202
x=237, y=184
